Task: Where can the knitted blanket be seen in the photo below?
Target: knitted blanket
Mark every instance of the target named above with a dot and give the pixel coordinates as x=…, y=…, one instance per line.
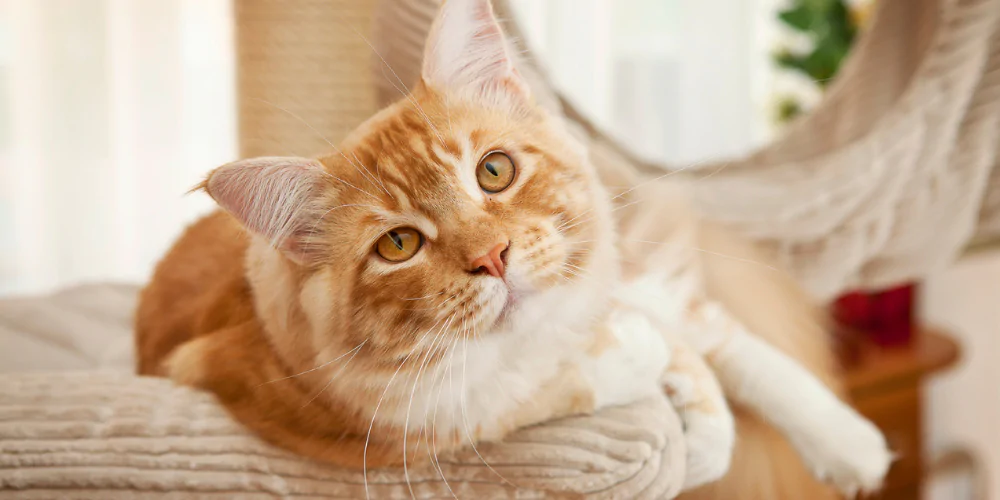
x=885, y=181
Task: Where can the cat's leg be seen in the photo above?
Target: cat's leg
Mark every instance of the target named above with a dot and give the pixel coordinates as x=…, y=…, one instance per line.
x=632, y=357
x=625, y=360
x=709, y=427
x=837, y=443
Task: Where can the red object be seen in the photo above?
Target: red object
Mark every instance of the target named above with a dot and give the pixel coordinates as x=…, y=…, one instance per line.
x=886, y=316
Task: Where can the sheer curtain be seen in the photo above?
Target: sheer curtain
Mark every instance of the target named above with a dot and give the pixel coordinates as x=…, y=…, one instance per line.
x=109, y=111
x=677, y=81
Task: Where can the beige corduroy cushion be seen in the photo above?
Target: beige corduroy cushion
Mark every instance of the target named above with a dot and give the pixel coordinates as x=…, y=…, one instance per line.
x=103, y=433
x=88, y=435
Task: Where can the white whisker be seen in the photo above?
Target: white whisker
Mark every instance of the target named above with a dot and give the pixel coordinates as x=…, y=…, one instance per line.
x=334, y=376
x=717, y=170
x=377, y=182
x=321, y=136
x=405, y=91
x=364, y=461
x=424, y=297
x=465, y=413
x=413, y=390
x=312, y=229
x=707, y=252
x=316, y=368
x=637, y=186
x=563, y=228
x=436, y=306
x=437, y=404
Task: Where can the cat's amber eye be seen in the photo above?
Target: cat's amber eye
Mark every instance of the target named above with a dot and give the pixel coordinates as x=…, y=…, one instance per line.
x=495, y=172
x=399, y=245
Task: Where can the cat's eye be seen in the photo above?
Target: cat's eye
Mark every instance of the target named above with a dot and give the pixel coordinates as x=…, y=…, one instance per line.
x=399, y=245
x=495, y=172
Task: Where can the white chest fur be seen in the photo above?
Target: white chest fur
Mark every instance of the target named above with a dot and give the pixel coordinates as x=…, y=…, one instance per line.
x=483, y=379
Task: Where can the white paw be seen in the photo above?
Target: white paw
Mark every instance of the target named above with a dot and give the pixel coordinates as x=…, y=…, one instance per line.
x=708, y=436
x=847, y=451
x=630, y=370
x=680, y=388
x=709, y=439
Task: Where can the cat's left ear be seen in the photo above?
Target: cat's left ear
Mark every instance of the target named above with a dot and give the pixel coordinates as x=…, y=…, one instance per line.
x=274, y=197
x=466, y=51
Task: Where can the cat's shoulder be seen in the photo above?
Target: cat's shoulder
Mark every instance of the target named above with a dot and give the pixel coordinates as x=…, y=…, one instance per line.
x=199, y=285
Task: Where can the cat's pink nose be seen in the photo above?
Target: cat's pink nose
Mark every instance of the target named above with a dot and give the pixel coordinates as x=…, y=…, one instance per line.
x=493, y=262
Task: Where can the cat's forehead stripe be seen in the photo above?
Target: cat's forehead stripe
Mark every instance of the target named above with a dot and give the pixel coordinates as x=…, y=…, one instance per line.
x=463, y=168
x=428, y=162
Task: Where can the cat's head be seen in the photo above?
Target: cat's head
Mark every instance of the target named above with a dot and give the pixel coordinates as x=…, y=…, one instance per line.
x=464, y=209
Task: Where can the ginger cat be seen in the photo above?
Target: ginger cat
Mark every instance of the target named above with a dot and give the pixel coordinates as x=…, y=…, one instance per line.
x=456, y=270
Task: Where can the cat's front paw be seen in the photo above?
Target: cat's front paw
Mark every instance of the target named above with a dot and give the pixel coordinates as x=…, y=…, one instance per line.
x=709, y=440
x=628, y=368
x=848, y=452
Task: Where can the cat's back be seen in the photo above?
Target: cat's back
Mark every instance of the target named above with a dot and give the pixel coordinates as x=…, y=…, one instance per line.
x=199, y=286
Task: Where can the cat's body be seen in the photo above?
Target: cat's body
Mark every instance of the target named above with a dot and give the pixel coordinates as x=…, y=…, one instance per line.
x=211, y=337
x=236, y=359
x=456, y=271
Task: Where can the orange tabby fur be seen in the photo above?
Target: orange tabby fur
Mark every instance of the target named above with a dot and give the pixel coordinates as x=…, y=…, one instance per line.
x=227, y=313
x=175, y=309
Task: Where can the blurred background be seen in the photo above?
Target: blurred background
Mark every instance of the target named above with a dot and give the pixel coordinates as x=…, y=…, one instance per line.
x=111, y=109
x=109, y=112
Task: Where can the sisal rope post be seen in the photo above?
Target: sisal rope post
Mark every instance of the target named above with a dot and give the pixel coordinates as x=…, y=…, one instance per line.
x=303, y=74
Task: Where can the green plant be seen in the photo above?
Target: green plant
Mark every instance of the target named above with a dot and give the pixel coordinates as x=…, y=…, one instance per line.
x=829, y=25
x=831, y=28
x=788, y=108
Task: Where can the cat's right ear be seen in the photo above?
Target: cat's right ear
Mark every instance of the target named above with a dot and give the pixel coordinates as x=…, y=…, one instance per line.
x=466, y=52
x=274, y=197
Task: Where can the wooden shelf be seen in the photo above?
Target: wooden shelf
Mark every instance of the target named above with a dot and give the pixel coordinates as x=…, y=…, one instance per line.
x=874, y=368
x=885, y=385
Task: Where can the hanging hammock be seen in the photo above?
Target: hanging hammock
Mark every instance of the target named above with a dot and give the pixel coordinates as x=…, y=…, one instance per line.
x=889, y=179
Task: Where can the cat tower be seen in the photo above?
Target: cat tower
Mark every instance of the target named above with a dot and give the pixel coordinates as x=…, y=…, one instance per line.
x=889, y=179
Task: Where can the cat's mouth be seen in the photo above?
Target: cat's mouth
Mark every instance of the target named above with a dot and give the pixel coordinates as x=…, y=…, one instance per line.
x=517, y=292
x=508, y=307
x=512, y=301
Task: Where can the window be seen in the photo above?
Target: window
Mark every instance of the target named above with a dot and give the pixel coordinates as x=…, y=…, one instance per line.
x=677, y=80
x=109, y=112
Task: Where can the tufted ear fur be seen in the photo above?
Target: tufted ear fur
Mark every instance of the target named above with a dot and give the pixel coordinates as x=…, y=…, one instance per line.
x=271, y=196
x=467, y=52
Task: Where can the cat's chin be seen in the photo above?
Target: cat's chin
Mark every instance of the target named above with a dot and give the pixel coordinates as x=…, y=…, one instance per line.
x=510, y=306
